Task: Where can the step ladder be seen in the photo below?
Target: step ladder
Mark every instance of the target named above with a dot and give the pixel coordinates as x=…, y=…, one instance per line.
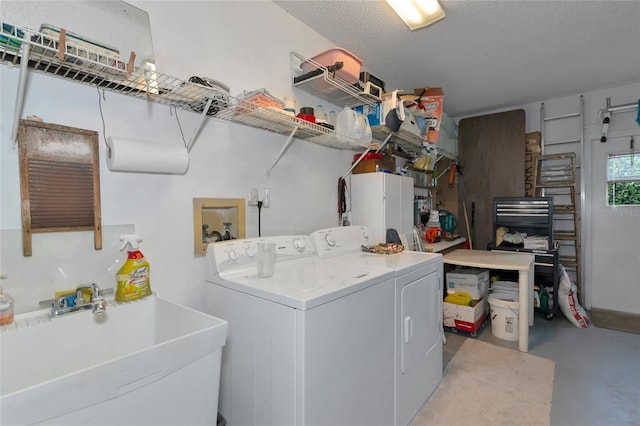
x=555, y=176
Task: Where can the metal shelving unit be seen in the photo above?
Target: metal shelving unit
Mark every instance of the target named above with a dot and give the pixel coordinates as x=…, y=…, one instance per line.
x=278, y=121
x=335, y=90
x=275, y=120
x=405, y=140
x=325, y=85
x=55, y=57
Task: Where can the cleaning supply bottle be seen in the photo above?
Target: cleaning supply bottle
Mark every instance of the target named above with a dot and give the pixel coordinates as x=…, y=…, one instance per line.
x=544, y=300
x=6, y=308
x=133, y=277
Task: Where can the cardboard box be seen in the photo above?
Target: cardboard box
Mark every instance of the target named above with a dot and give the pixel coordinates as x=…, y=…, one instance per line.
x=465, y=318
x=372, y=166
x=430, y=106
x=375, y=114
x=532, y=151
x=474, y=281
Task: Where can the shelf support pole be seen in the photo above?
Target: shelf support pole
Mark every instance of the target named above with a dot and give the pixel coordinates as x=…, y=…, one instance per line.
x=22, y=83
x=384, y=143
x=203, y=118
x=353, y=166
x=283, y=149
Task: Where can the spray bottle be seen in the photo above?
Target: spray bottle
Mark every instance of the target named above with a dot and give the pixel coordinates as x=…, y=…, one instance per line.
x=133, y=277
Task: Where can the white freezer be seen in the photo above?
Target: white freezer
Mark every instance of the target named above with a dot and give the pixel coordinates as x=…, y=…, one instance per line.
x=380, y=201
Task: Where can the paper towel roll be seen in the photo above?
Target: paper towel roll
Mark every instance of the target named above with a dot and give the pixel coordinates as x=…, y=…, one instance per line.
x=129, y=155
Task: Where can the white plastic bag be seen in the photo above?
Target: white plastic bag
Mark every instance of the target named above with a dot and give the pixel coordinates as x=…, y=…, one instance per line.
x=568, y=299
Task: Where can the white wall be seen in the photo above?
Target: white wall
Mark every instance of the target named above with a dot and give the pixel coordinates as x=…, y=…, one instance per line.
x=611, y=237
x=243, y=44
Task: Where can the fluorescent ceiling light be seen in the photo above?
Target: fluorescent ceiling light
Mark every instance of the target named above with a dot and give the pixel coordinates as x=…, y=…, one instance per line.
x=417, y=13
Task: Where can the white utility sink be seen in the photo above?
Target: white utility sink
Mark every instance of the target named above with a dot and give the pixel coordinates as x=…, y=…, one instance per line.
x=147, y=362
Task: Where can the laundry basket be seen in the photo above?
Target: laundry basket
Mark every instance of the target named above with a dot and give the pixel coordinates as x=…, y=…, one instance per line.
x=504, y=308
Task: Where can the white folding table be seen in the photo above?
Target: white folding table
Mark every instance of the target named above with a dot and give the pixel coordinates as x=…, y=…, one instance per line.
x=510, y=261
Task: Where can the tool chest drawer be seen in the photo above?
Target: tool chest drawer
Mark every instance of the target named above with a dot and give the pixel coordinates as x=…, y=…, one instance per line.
x=531, y=215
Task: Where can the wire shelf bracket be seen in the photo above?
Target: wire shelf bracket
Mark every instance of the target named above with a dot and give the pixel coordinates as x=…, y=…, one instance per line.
x=283, y=149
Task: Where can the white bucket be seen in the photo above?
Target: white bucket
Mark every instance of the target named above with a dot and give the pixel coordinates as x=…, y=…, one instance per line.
x=504, y=308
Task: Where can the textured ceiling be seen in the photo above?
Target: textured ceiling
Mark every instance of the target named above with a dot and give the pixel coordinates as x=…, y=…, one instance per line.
x=488, y=54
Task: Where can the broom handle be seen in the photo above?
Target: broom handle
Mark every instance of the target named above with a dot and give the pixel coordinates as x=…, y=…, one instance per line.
x=466, y=221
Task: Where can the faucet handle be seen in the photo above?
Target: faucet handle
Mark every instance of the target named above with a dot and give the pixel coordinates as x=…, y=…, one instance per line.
x=56, y=303
x=96, y=292
x=80, y=292
x=48, y=302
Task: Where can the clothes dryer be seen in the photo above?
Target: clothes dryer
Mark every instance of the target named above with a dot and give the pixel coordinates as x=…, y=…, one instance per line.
x=311, y=345
x=418, y=328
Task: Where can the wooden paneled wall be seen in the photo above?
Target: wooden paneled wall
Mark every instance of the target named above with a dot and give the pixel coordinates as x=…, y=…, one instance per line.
x=492, y=155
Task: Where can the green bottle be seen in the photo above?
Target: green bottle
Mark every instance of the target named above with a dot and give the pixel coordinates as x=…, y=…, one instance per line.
x=544, y=299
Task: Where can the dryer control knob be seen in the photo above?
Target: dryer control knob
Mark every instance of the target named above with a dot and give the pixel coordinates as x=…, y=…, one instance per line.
x=299, y=244
x=250, y=251
x=233, y=255
x=330, y=239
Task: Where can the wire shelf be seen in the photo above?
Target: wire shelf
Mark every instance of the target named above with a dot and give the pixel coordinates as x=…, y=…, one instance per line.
x=278, y=121
x=72, y=62
x=327, y=86
x=404, y=139
x=69, y=61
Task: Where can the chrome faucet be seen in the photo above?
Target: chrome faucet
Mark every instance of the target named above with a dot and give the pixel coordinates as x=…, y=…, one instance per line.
x=96, y=301
x=64, y=305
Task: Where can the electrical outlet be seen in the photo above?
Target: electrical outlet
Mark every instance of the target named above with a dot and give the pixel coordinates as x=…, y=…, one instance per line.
x=256, y=196
x=253, y=197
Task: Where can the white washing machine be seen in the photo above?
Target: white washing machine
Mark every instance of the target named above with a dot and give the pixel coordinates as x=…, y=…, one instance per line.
x=312, y=345
x=418, y=311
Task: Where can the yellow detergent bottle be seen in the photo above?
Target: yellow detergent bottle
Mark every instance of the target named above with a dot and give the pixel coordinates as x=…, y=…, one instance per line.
x=133, y=277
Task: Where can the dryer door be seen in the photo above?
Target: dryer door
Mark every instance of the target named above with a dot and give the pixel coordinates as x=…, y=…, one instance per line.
x=420, y=307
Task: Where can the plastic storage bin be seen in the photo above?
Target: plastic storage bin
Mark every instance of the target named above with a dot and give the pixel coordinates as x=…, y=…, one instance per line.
x=350, y=71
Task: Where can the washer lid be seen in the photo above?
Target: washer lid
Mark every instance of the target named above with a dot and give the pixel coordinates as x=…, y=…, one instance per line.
x=305, y=283
x=402, y=263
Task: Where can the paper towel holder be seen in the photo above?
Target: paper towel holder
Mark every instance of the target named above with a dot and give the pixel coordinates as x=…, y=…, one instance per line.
x=143, y=156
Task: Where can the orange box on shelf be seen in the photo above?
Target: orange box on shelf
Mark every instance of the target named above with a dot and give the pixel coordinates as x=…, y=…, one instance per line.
x=429, y=106
x=372, y=166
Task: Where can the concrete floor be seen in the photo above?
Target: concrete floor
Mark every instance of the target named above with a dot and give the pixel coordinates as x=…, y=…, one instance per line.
x=597, y=374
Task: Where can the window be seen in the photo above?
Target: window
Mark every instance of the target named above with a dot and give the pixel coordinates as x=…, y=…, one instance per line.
x=623, y=180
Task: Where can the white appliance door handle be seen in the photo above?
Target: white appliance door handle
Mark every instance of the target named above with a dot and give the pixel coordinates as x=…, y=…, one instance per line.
x=408, y=329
